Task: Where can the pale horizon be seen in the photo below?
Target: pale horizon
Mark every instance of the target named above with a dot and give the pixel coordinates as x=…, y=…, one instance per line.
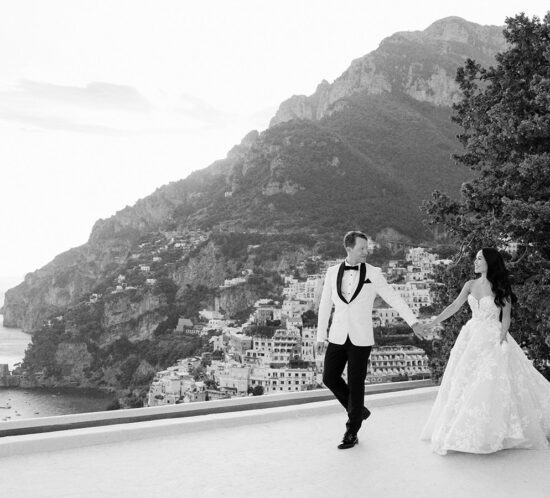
x=102, y=103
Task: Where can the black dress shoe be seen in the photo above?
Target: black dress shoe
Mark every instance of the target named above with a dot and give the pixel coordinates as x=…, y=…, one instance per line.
x=349, y=441
x=366, y=413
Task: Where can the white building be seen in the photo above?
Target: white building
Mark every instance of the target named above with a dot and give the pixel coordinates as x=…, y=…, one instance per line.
x=294, y=323
x=280, y=348
x=307, y=290
x=384, y=316
x=415, y=294
x=294, y=308
x=231, y=282
x=308, y=343
x=417, y=273
x=217, y=324
x=390, y=361
x=211, y=314
x=282, y=379
x=235, y=378
x=418, y=255
x=218, y=342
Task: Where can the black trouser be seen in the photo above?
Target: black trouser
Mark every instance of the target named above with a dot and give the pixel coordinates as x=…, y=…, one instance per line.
x=350, y=395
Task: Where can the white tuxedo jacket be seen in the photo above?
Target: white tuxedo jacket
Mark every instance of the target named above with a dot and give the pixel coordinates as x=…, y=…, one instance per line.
x=354, y=318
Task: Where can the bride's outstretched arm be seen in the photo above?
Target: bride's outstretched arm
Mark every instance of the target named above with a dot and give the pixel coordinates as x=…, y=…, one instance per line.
x=506, y=319
x=450, y=310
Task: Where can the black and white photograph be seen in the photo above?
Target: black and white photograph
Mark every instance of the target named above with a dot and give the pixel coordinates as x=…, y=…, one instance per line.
x=263, y=249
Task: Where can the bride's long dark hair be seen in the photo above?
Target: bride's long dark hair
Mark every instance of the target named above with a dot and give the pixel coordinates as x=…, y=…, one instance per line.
x=498, y=276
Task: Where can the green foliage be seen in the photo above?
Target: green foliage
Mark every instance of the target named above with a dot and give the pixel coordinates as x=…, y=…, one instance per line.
x=331, y=249
x=380, y=255
x=193, y=298
x=40, y=354
x=261, y=331
x=242, y=315
x=198, y=372
x=505, y=118
x=427, y=311
x=265, y=283
x=235, y=245
x=85, y=319
x=258, y=391
x=390, y=335
x=127, y=369
x=218, y=355
x=309, y=318
x=169, y=324
x=166, y=286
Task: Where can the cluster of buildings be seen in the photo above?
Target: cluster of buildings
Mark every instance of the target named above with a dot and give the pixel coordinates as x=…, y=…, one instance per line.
x=163, y=251
x=176, y=384
x=242, y=363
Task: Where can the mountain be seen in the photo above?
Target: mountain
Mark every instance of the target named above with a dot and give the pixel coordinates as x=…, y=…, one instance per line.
x=362, y=152
x=421, y=64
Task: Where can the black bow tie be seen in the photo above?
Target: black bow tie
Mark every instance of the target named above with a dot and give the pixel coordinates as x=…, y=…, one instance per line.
x=346, y=267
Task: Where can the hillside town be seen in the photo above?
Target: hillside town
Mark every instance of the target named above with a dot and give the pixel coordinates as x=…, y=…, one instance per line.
x=243, y=361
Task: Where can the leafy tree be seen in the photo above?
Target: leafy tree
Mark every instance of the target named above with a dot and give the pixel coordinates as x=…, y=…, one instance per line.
x=193, y=299
x=198, y=372
x=427, y=311
x=257, y=391
x=261, y=331
x=218, y=355
x=505, y=118
x=167, y=287
x=127, y=369
x=309, y=318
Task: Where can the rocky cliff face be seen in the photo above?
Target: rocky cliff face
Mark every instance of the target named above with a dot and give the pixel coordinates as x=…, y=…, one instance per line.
x=61, y=283
x=421, y=64
x=135, y=319
x=75, y=273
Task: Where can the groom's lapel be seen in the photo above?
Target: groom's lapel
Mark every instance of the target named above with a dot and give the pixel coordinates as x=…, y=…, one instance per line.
x=339, y=281
x=362, y=274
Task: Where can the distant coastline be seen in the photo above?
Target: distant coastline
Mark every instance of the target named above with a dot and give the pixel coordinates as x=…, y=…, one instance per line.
x=6, y=283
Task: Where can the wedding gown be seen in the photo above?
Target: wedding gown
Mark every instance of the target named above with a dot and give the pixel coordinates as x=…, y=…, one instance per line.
x=491, y=397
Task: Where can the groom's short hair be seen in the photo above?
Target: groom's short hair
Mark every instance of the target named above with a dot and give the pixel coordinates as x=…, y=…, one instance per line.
x=351, y=237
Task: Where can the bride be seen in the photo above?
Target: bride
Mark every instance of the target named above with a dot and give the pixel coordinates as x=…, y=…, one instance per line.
x=491, y=397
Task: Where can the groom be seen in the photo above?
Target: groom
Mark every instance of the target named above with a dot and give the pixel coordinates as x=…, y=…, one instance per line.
x=350, y=288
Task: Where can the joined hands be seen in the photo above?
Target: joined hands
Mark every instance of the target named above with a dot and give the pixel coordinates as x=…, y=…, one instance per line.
x=421, y=329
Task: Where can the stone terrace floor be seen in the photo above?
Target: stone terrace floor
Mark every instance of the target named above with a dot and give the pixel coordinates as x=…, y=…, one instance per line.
x=284, y=451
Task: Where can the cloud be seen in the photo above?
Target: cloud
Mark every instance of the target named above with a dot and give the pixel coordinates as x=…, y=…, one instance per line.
x=97, y=95
x=107, y=109
x=96, y=108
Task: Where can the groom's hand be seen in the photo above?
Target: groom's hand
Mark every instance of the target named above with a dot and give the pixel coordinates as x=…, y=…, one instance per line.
x=418, y=330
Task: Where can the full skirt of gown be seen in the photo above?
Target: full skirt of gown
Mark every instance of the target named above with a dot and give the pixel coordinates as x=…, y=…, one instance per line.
x=491, y=396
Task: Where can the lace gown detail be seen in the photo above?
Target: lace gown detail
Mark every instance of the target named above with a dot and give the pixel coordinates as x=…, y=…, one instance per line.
x=491, y=397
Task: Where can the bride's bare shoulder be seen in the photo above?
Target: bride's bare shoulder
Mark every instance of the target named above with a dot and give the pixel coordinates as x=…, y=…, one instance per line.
x=470, y=284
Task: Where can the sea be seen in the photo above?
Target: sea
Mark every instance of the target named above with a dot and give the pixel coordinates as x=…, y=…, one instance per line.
x=19, y=403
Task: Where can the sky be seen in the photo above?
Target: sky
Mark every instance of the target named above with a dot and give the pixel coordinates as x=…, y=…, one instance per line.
x=103, y=102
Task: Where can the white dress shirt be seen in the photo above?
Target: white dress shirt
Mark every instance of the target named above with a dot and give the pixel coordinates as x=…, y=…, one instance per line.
x=350, y=279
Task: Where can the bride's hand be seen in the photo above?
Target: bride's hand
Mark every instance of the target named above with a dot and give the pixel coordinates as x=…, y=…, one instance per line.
x=503, y=340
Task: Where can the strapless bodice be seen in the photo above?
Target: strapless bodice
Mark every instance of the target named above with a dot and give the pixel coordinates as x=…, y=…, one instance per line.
x=484, y=309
